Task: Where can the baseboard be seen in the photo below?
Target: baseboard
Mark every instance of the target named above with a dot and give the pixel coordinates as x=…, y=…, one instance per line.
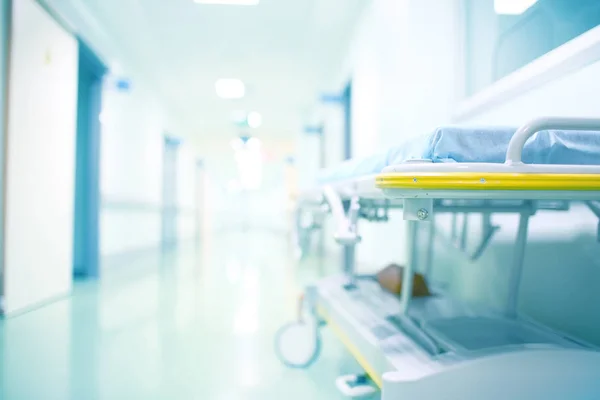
x=130, y=254
x=34, y=307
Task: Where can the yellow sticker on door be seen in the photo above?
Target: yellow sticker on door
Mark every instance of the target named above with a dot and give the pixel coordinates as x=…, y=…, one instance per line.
x=48, y=57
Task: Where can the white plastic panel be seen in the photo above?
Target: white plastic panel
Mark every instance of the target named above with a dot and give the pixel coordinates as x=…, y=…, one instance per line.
x=40, y=163
x=523, y=375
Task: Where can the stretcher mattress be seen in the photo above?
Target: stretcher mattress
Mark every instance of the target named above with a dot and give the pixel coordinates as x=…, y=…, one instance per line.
x=475, y=144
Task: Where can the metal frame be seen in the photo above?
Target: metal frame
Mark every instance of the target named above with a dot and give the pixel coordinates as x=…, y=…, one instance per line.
x=514, y=152
x=347, y=234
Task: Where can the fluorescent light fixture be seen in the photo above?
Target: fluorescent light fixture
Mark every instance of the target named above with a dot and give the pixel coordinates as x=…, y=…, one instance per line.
x=512, y=7
x=230, y=88
x=254, y=119
x=237, y=144
x=254, y=144
x=229, y=2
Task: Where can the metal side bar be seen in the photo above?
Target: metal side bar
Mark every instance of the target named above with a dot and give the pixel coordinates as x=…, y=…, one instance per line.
x=430, y=249
x=516, y=270
x=347, y=228
x=488, y=230
x=594, y=206
x=410, y=268
x=517, y=142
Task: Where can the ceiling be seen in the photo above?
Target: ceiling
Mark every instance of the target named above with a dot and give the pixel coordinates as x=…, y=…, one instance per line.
x=285, y=51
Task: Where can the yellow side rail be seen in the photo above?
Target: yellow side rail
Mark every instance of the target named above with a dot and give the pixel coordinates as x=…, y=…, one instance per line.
x=488, y=181
x=362, y=361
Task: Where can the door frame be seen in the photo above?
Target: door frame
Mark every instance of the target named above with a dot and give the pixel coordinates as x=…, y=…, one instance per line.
x=169, y=223
x=86, y=229
x=347, y=105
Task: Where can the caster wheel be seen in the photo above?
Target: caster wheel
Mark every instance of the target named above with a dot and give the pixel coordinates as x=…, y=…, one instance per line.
x=355, y=386
x=298, y=344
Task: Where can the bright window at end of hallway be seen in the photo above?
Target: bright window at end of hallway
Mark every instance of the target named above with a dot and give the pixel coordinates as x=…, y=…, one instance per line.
x=249, y=160
x=502, y=36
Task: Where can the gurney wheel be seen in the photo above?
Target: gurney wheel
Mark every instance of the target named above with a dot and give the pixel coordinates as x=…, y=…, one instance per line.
x=298, y=344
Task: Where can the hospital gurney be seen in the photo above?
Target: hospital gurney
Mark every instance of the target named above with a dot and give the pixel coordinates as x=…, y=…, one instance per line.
x=435, y=347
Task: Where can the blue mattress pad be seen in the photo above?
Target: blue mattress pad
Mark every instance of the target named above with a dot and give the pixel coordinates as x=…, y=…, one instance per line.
x=474, y=144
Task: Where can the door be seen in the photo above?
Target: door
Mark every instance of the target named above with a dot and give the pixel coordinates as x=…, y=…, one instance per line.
x=4, y=45
x=199, y=197
x=169, y=214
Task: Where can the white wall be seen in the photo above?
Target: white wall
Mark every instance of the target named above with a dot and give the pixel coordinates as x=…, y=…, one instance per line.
x=333, y=131
x=134, y=125
x=573, y=95
x=402, y=66
x=40, y=161
x=186, y=193
x=131, y=169
x=308, y=147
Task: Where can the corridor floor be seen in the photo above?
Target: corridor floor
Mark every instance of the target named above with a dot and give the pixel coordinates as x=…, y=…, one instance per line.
x=192, y=323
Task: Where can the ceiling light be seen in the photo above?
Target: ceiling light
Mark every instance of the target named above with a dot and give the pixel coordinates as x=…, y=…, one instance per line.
x=229, y=2
x=512, y=7
x=230, y=88
x=254, y=119
x=254, y=143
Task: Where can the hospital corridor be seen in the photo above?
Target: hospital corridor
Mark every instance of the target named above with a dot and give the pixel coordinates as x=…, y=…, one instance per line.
x=310, y=199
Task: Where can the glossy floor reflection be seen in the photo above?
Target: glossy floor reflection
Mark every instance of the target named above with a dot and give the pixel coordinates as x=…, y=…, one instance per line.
x=193, y=323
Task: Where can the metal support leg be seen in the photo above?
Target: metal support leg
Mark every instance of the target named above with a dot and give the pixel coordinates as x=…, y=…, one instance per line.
x=349, y=261
x=463, y=233
x=297, y=235
x=454, y=228
x=517, y=267
x=409, y=269
x=487, y=231
x=595, y=208
x=430, y=249
x=346, y=214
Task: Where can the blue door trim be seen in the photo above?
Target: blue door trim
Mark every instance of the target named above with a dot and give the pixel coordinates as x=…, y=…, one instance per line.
x=347, y=104
x=348, y=255
x=86, y=230
x=170, y=211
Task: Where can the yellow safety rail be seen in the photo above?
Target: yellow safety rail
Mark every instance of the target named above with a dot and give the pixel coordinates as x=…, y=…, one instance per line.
x=488, y=181
x=352, y=348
